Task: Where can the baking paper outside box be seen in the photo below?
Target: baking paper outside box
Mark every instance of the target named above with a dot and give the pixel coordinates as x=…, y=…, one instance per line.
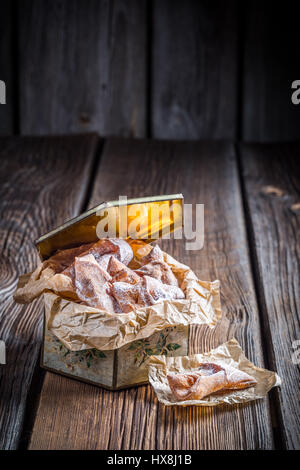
x=227, y=354
x=79, y=327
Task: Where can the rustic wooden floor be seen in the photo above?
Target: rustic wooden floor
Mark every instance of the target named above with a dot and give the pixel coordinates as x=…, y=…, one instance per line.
x=251, y=197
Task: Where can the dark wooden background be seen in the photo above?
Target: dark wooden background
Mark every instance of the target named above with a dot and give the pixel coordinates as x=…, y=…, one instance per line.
x=171, y=69
x=201, y=70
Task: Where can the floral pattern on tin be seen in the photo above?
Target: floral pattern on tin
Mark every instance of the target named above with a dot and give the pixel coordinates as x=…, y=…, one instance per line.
x=85, y=357
x=142, y=348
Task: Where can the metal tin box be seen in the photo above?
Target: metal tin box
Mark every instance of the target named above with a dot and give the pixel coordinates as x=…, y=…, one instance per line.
x=126, y=366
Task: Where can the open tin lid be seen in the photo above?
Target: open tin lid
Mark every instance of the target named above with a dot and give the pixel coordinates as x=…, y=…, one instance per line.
x=146, y=218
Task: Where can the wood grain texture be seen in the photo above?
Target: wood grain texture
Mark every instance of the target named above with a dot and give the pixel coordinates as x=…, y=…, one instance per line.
x=194, y=69
x=272, y=177
x=83, y=66
x=271, y=64
x=72, y=415
x=7, y=67
x=42, y=183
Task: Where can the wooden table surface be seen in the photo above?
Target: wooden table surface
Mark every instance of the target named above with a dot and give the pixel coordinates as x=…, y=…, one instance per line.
x=252, y=220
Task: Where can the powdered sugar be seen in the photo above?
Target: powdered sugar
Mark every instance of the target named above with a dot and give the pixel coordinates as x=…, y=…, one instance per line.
x=102, y=278
x=120, y=272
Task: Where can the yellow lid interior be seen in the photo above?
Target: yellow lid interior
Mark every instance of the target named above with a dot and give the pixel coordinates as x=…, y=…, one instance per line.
x=148, y=219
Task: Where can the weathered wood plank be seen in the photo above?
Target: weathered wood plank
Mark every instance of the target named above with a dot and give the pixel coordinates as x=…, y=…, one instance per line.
x=272, y=176
x=6, y=67
x=83, y=66
x=271, y=64
x=72, y=415
x=42, y=182
x=194, y=69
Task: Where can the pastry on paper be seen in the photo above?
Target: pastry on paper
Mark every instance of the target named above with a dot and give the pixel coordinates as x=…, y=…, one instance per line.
x=209, y=378
x=221, y=375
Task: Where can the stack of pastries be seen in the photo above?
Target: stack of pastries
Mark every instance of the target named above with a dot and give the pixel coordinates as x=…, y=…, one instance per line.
x=101, y=276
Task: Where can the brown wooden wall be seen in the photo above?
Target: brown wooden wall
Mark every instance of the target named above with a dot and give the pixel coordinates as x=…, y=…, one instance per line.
x=174, y=69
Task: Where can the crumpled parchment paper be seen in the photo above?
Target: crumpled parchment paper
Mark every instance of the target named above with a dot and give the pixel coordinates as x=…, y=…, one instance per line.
x=80, y=327
x=230, y=354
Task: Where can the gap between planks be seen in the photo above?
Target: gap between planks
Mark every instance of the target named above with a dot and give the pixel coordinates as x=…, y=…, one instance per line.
x=265, y=333
x=271, y=187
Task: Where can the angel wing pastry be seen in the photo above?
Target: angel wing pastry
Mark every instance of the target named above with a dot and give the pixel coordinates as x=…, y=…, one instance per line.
x=153, y=265
x=159, y=270
x=120, y=272
x=152, y=291
x=155, y=255
x=126, y=295
x=148, y=291
x=98, y=275
x=209, y=378
x=57, y=273
x=64, y=258
x=102, y=252
x=91, y=283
